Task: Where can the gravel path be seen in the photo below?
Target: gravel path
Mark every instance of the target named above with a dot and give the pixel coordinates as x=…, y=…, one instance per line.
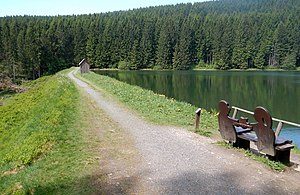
x=175, y=161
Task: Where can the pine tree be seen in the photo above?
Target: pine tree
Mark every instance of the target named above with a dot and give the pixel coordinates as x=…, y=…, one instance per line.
x=148, y=45
x=79, y=42
x=164, y=53
x=289, y=62
x=281, y=43
x=91, y=49
x=32, y=52
x=136, y=58
x=183, y=55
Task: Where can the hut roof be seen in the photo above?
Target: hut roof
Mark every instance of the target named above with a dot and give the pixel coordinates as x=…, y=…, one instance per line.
x=83, y=60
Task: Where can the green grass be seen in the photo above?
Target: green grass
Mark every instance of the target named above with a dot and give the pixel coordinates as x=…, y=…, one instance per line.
x=274, y=165
x=296, y=150
x=153, y=107
x=43, y=149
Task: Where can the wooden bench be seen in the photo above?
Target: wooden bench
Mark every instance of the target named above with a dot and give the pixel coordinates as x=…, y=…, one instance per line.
x=240, y=133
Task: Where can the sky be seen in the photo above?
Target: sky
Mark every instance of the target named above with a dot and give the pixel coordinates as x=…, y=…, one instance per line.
x=70, y=7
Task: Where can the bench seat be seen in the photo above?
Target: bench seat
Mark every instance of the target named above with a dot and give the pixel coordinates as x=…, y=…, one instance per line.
x=250, y=136
x=280, y=143
x=284, y=147
x=240, y=130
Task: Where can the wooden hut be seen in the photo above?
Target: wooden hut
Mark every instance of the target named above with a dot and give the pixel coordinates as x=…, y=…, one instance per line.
x=84, y=66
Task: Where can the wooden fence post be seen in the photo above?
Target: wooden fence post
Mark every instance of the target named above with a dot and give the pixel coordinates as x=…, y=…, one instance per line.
x=198, y=113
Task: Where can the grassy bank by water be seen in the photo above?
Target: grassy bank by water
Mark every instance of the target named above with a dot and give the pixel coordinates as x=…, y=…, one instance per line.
x=153, y=107
x=43, y=148
x=162, y=110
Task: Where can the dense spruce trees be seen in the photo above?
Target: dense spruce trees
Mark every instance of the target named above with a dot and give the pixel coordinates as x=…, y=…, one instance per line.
x=220, y=34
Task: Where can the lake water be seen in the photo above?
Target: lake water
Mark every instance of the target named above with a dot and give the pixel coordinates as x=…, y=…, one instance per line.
x=279, y=92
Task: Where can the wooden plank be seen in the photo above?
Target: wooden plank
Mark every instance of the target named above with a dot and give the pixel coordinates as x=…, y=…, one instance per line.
x=226, y=123
x=248, y=136
x=284, y=147
x=264, y=131
x=240, y=130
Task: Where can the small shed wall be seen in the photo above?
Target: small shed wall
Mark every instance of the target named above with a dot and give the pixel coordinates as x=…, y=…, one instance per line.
x=84, y=67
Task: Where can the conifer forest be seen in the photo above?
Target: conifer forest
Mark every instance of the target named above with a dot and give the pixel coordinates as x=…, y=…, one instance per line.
x=223, y=34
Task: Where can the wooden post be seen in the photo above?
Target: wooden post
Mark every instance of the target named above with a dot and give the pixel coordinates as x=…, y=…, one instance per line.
x=198, y=113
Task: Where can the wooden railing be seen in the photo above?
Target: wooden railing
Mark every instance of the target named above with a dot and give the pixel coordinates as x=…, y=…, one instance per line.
x=280, y=122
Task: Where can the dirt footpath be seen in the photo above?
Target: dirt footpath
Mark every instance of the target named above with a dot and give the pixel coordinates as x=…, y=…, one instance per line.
x=174, y=161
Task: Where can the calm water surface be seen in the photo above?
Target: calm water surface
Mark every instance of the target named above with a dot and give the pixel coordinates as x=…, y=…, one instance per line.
x=279, y=92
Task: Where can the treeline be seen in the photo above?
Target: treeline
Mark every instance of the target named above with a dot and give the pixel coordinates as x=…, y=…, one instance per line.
x=221, y=34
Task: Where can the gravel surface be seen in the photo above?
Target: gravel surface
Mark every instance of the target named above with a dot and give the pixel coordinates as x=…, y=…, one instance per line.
x=175, y=161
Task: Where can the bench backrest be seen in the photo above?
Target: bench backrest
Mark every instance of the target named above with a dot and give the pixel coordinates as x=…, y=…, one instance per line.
x=226, y=123
x=263, y=129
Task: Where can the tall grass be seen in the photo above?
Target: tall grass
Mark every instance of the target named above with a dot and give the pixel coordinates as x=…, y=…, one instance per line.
x=42, y=149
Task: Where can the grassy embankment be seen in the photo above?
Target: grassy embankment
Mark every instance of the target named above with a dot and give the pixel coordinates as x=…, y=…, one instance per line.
x=43, y=146
x=153, y=107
